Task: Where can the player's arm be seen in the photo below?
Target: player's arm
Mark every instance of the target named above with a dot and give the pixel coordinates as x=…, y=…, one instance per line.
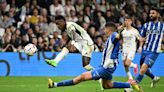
x=142, y=38
x=162, y=47
x=72, y=30
x=119, y=30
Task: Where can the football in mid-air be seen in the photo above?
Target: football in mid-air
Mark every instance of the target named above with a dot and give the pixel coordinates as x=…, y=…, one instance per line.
x=30, y=49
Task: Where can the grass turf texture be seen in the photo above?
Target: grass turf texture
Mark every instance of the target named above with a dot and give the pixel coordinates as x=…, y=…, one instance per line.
x=39, y=84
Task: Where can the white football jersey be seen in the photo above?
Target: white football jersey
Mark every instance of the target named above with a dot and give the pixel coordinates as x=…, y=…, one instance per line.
x=130, y=37
x=77, y=33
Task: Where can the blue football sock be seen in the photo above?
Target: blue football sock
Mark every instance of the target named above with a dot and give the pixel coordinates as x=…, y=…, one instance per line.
x=139, y=78
x=149, y=73
x=65, y=83
x=121, y=85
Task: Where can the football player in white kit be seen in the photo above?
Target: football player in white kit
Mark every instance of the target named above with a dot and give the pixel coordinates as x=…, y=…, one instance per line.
x=130, y=35
x=80, y=39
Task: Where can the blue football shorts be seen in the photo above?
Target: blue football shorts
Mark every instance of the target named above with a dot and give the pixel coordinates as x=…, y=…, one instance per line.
x=103, y=73
x=148, y=58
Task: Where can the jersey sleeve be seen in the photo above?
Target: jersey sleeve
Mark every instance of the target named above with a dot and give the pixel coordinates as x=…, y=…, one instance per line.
x=71, y=31
x=137, y=34
x=143, y=30
x=114, y=37
x=71, y=28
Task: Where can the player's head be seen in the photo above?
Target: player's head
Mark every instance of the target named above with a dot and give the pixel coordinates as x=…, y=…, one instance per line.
x=154, y=14
x=128, y=21
x=109, y=28
x=60, y=22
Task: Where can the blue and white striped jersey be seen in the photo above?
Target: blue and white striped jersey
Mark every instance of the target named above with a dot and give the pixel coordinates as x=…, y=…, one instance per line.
x=111, y=51
x=153, y=32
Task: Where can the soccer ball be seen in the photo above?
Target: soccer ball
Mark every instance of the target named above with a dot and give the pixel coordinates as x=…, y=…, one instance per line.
x=30, y=49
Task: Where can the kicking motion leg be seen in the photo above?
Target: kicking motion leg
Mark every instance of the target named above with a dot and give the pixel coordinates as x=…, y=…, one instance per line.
x=58, y=58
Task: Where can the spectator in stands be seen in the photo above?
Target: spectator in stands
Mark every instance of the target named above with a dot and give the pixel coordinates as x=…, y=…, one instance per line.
x=35, y=17
x=88, y=17
x=24, y=27
x=102, y=20
x=80, y=20
x=91, y=31
x=34, y=20
x=25, y=10
x=72, y=17
x=37, y=31
x=68, y=7
x=146, y=8
x=85, y=25
x=122, y=15
x=46, y=45
x=5, y=21
x=30, y=34
x=34, y=5
x=134, y=10
x=79, y=5
x=40, y=43
x=45, y=16
x=110, y=17
x=52, y=44
x=34, y=41
x=25, y=40
x=104, y=6
x=144, y=18
x=138, y=24
x=16, y=40
x=4, y=6
x=43, y=24
x=99, y=44
x=56, y=8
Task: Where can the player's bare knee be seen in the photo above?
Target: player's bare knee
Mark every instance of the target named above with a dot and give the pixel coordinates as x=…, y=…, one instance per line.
x=82, y=77
x=79, y=79
x=127, y=64
x=142, y=71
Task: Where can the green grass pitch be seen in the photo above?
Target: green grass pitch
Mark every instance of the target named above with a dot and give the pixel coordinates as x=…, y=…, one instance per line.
x=39, y=84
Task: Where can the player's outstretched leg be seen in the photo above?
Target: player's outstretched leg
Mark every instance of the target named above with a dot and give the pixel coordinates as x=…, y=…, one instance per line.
x=83, y=77
x=58, y=58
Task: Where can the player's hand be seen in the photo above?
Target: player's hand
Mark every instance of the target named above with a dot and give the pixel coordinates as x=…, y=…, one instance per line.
x=72, y=42
x=162, y=47
x=139, y=50
x=121, y=27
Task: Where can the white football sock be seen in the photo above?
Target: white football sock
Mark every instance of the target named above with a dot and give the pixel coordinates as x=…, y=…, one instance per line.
x=61, y=55
x=101, y=84
x=129, y=75
x=132, y=65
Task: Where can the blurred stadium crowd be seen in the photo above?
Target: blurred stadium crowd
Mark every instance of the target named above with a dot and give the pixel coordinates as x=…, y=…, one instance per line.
x=32, y=21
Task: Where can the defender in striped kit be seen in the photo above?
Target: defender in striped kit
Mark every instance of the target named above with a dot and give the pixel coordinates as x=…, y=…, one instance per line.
x=151, y=41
